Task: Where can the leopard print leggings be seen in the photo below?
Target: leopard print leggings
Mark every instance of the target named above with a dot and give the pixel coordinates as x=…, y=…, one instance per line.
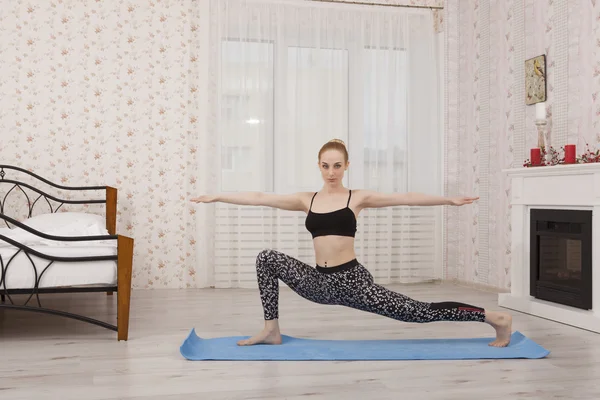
x=349, y=285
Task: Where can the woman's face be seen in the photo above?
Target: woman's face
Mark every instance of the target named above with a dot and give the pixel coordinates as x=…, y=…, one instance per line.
x=332, y=166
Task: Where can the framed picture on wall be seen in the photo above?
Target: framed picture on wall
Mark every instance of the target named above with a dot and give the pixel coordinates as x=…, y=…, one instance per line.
x=535, y=80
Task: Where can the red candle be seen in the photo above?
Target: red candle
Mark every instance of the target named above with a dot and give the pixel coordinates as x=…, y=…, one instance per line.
x=536, y=156
x=570, y=154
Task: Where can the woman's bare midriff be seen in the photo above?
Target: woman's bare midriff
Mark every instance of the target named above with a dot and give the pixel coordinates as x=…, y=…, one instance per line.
x=331, y=251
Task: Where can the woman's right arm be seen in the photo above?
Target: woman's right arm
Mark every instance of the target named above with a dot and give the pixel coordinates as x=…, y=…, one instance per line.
x=291, y=202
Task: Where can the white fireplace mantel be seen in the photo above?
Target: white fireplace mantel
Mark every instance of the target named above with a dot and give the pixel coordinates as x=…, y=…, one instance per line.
x=572, y=187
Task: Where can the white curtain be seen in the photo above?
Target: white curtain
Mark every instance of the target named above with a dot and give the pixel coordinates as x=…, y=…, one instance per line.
x=283, y=77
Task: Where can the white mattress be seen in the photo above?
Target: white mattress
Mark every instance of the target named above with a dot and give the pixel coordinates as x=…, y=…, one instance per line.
x=21, y=274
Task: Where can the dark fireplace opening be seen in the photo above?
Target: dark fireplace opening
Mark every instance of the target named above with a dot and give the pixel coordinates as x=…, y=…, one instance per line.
x=561, y=257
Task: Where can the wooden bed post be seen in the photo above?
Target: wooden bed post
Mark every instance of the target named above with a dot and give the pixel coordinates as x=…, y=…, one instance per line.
x=111, y=214
x=111, y=210
x=124, y=272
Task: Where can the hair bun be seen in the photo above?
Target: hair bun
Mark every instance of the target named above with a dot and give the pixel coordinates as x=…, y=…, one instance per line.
x=337, y=145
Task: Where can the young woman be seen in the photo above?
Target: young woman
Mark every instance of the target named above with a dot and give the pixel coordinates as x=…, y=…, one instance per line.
x=338, y=277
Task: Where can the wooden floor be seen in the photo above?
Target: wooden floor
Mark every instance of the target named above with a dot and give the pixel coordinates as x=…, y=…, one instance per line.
x=65, y=359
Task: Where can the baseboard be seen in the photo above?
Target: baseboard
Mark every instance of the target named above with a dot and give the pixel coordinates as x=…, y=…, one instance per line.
x=584, y=319
x=477, y=286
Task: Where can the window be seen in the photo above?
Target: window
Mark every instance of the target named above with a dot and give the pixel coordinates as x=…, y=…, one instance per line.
x=283, y=78
x=246, y=120
x=311, y=96
x=317, y=109
x=385, y=120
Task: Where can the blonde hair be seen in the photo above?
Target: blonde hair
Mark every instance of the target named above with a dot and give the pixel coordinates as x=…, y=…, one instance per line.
x=335, y=144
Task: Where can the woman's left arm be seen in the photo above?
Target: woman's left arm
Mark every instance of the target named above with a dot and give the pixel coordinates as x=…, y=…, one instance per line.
x=371, y=199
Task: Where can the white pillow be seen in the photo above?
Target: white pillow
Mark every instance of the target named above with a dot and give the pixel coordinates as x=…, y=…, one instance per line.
x=49, y=222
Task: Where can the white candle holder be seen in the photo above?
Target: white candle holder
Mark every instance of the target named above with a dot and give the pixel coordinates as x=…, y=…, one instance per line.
x=543, y=138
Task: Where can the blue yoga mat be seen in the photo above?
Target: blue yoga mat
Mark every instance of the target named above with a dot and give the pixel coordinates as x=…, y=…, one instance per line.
x=295, y=349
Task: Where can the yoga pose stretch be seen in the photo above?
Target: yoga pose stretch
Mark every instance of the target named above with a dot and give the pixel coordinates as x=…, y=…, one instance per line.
x=338, y=277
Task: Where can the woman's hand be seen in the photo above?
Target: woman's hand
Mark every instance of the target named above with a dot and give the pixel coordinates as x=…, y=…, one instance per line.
x=204, y=199
x=462, y=200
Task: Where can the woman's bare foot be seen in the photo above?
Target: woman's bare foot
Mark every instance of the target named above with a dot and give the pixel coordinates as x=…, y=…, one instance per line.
x=502, y=323
x=269, y=335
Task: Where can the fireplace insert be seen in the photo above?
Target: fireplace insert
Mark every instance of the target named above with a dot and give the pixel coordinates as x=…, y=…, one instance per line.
x=561, y=257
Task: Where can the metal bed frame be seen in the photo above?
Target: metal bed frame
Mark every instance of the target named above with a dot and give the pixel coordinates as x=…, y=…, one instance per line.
x=124, y=256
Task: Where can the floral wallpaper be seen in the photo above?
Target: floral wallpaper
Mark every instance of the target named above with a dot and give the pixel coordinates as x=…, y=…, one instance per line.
x=516, y=31
x=100, y=93
x=479, y=136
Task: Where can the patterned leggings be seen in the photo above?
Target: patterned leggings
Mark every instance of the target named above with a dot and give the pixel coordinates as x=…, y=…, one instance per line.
x=349, y=285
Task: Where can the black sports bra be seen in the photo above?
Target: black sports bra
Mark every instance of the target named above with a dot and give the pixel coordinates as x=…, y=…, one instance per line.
x=340, y=222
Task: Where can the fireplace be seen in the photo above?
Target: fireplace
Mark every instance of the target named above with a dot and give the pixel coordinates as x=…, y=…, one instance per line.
x=561, y=256
x=555, y=270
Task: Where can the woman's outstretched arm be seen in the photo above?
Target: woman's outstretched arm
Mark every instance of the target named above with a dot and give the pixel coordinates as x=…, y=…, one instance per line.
x=372, y=199
x=291, y=202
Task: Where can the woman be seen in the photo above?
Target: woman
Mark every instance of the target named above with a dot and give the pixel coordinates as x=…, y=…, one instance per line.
x=338, y=277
